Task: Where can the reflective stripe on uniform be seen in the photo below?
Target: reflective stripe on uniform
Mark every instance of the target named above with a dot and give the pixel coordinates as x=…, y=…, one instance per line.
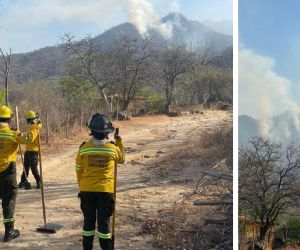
x=8, y=220
x=97, y=150
x=103, y=236
x=26, y=138
x=88, y=233
x=6, y=135
x=78, y=167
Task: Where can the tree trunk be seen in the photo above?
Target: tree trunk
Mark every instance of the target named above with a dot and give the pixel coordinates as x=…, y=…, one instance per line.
x=200, y=98
x=262, y=236
x=169, y=93
x=104, y=97
x=6, y=88
x=125, y=105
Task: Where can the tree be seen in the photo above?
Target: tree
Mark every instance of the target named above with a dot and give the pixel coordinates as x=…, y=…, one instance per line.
x=267, y=178
x=78, y=92
x=215, y=84
x=88, y=58
x=211, y=78
x=128, y=66
x=175, y=61
x=225, y=59
x=79, y=96
x=6, y=70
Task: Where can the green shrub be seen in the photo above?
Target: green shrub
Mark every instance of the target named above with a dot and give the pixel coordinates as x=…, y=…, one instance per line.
x=156, y=103
x=293, y=230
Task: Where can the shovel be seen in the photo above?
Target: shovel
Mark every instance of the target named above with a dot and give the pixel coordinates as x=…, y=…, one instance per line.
x=48, y=228
x=19, y=146
x=115, y=198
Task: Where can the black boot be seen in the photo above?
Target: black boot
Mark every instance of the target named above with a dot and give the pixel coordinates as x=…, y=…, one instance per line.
x=21, y=184
x=10, y=232
x=106, y=244
x=87, y=242
x=27, y=185
x=38, y=185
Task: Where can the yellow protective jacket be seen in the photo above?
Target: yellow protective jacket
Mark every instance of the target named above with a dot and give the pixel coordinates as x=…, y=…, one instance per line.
x=34, y=145
x=95, y=165
x=9, y=140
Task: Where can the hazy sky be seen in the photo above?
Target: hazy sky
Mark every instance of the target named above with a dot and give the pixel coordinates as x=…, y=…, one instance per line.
x=269, y=41
x=32, y=24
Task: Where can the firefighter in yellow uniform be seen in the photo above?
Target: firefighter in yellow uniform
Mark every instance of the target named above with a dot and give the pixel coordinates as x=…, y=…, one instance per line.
x=31, y=156
x=9, y=140
x=95, y=165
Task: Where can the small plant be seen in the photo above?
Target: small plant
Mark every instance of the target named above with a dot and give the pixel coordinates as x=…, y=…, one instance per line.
x=293, y=230
x=156, y=103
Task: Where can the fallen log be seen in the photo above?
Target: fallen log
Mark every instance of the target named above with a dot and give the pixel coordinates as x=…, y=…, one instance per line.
x=212, y=202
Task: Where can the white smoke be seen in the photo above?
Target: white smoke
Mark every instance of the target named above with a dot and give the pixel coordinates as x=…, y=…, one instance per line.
x=263, y=93
x=174, y=6
x=31, y=19
x=143, y=15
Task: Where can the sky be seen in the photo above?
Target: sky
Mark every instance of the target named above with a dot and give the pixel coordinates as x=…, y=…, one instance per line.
x=33, y=24
x=269, y=58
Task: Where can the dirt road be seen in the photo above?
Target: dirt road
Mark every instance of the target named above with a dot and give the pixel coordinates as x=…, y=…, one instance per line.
x=140, y=195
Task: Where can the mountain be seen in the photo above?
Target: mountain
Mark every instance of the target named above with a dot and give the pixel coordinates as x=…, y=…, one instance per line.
x=286, y=126
x=187, y=31
x=248, y=127
x=182, y=31
x=51, y=61
x=225, y=27
x=283, y=127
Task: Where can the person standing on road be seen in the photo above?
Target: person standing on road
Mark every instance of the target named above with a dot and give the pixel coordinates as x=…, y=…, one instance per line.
x=31, y=156
x=95, y=163
x=9, y=140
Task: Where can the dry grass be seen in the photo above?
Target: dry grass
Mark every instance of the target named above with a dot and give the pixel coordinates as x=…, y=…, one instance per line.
x=205, y=151
x=175, y=228
x=183, y=225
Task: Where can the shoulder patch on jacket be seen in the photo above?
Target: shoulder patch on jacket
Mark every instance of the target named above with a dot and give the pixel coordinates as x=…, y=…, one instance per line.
x=82, y=144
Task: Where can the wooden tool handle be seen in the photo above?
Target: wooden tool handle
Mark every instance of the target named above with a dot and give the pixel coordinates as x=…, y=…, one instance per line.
x=19, y=146
x=42, y=181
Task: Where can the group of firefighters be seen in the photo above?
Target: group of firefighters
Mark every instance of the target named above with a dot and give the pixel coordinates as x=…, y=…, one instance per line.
x=95, y=164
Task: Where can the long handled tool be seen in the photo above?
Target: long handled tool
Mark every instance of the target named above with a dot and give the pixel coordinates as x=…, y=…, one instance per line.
x=115, y=198
x=19, y=146
x=46, y=228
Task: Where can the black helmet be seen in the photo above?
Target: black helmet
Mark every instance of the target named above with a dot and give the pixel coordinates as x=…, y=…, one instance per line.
x=100, y=124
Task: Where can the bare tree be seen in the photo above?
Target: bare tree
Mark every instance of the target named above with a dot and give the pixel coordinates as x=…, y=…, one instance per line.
x=7, y=64
x=225, y=59
x=210, y=80
x=175, y=61
x=128, y=66
x=267, y=177
x=87, y=55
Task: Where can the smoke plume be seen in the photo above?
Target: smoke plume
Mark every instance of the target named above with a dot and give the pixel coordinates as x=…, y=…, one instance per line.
x=264, y=94
x=143, y=15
